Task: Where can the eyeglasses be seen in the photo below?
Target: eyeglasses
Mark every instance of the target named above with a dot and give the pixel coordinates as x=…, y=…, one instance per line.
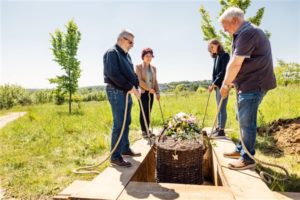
x=129, y=41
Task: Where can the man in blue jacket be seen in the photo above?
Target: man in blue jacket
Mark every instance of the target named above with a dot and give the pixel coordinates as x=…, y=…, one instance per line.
x=121, y=79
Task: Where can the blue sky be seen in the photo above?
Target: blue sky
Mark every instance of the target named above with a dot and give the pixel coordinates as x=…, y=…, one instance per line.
x=171, y=28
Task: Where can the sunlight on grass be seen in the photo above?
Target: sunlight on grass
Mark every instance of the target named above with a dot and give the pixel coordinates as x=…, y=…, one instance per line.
x=40, y=150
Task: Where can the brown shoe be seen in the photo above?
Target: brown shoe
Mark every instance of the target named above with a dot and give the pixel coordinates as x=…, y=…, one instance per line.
x=233, y=155
x=131, y=153
x=242, y=164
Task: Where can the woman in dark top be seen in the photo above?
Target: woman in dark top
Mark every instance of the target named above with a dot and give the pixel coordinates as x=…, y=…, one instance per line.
x=221, y=59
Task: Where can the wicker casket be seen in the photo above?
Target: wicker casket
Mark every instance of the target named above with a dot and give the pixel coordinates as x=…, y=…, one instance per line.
x=180, y=152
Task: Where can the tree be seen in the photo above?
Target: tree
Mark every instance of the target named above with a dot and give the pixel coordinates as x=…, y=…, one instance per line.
x=64, y=49
x=209, y=31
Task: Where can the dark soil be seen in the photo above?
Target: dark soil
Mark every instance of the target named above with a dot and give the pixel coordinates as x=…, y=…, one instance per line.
x=285, y=133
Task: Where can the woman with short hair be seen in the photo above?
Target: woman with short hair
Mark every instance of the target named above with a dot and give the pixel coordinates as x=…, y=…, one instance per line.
x=147, y=76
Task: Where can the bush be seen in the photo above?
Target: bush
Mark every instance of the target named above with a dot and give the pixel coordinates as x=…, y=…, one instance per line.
x=42, y=96
x=201, y=90
x=12, y=95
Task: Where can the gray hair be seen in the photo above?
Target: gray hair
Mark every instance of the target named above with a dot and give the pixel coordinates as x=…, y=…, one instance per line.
x=232, y=12
x=125, y=33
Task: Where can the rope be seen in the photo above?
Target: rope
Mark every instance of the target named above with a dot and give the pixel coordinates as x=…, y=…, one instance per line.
x=264, y=175
x=161, y=112
x=84, y=170
x=215, y=121
x=149, y=110
x=145, y=122
x=205, y=110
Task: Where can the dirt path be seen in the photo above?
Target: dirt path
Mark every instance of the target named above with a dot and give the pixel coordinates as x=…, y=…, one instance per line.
x=3, y=121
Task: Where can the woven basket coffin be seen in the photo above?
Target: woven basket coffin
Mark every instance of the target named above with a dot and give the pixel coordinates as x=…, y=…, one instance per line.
x=179, y=162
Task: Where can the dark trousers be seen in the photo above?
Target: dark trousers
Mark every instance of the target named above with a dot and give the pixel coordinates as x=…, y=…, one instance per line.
x=145, y=104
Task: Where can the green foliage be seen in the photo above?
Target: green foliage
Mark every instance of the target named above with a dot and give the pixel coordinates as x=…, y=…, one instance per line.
x=209, y=31
x=188, y=85
x=201, y=90
x=287, y=73
x=64, y=49
x=92, y=94
x=12, y=95
x=42, y=96
x=258, y=17
x=40, y=150
x=59, y=96
x=207, y=28
x=180, y=88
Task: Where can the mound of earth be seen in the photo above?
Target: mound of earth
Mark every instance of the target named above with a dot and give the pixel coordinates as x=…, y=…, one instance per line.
x=286, y=134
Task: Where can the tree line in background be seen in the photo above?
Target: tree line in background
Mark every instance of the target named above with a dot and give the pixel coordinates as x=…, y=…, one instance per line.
x=13, y=95
x=287, y=73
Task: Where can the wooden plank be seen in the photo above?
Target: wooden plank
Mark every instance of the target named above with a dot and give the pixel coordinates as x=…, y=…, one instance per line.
x=72, y=188
x=245, y=184
x=142, y=190
x=111, y=182
x=287, y=195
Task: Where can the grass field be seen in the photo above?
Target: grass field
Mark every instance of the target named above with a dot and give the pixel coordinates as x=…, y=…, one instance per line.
x=40, y=150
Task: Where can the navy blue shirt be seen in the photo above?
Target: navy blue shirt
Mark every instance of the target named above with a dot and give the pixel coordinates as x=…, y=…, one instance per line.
x=118, y=69
x=256, y=73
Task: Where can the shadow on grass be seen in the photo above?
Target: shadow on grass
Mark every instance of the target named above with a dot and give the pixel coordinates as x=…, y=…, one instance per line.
x=73, y=113
x=267, y=146
x=292, y=184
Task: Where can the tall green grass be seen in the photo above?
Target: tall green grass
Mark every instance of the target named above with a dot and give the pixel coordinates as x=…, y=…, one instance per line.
x=40, y=150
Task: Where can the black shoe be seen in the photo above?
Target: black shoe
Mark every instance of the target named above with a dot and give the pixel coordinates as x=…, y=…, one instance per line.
x=218, y=134
x=131, y=153
x=120, y=162
x=216, y=130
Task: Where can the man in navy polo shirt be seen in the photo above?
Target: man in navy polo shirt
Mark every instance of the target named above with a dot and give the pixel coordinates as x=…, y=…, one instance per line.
x=251, y=71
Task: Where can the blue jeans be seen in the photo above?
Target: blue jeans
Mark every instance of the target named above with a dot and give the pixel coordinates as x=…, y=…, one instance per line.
x=222, y=116
x=117, y=100
x=248, y=104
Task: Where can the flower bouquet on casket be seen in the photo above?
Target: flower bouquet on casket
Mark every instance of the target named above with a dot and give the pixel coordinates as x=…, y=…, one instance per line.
x=183, y=127
x=179, y=152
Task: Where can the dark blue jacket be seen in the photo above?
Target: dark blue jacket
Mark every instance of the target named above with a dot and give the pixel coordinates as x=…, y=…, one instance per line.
x=219, y=70
x=118, y=69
